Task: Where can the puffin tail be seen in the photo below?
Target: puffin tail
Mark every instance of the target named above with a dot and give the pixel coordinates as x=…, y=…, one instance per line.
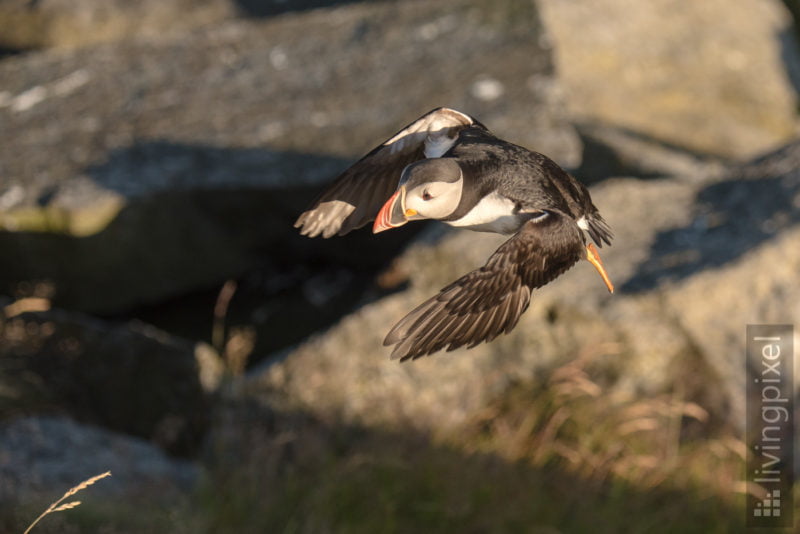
x=599, y=229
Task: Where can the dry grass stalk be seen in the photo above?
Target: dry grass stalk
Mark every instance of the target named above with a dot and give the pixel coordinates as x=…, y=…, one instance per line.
x=564, y=417
x=220, y=313
x=67, y=506
x=238, y=348
x=29, y=304
x=58, y=507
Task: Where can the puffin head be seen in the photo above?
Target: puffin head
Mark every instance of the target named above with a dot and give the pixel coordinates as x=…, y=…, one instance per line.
x=428, y=189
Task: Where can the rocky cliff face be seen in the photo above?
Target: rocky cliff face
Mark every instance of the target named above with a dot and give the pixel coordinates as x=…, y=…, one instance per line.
x=123, y=163
x=715, y=77
x=147, y=157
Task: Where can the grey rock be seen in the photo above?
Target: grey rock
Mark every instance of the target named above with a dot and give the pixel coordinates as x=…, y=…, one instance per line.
x=714, y=77
x=130, y=378
x=695, y=259
x=610, y=151
x=735, y=263
x=65, y=23
x=136, y=171
x=43, y=457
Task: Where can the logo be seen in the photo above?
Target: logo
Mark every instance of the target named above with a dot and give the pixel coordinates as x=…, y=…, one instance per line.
x=770, y=424
x=770, y=506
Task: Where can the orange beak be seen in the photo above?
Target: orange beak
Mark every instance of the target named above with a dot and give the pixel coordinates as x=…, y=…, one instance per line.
x=594, y=258
x=393, y=213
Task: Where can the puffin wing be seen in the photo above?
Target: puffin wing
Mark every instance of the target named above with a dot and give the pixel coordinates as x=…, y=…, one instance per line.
x=489, y=301
x=356, y=196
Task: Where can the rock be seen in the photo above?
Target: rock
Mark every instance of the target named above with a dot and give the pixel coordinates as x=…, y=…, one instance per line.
x=129, y=378
x=64, y=23
x=712, y=76
x=610, y=151
x=133, y=171
x=43, y=457
x=734, y=263
x=686, y=252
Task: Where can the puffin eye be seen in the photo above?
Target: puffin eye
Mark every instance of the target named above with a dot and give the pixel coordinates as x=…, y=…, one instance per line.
x=426, y=195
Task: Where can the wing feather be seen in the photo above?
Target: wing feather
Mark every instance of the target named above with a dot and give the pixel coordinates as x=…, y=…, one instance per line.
x=355, y=197
x=489, y=301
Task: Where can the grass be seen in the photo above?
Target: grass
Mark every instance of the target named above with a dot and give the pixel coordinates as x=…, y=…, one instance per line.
x=566, y=419
x=383, y=485
x=555, y=453
x=60, y=505
x=549, y=455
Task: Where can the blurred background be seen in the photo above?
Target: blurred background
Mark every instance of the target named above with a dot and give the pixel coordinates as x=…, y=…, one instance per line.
x=162, y=319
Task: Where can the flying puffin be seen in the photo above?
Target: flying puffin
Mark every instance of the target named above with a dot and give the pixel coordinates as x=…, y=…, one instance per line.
x=448, y=166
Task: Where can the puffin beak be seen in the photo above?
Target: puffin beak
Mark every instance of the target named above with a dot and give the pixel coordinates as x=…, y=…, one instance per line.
x=594, y=258
x=393, y=213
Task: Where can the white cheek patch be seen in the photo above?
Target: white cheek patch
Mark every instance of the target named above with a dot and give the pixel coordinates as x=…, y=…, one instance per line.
x=427, y=208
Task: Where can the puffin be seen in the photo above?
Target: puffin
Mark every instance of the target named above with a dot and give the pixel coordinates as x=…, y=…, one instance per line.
x=448, y=166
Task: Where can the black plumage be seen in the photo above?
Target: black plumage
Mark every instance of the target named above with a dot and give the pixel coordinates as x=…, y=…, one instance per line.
x=489, y=301
x=502, y=188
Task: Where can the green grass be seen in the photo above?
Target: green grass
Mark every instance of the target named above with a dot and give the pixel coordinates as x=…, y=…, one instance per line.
x=384, y=486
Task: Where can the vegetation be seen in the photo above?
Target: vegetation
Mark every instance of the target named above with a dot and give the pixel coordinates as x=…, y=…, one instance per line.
x=60, y=505
x=550, y=455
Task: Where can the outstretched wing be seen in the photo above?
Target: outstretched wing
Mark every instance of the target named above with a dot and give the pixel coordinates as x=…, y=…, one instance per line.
x=356, y=196
x=489, y=301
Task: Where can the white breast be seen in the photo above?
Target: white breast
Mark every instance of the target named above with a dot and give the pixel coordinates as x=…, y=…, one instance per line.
x=494, y=213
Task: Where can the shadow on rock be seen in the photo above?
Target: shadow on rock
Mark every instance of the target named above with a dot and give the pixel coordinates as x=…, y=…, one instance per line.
x=269, y=8
x=790, y=49
x=613, y=151
x=8, y=51
x=732, y=217
x=192, y=217
x=131, y=377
